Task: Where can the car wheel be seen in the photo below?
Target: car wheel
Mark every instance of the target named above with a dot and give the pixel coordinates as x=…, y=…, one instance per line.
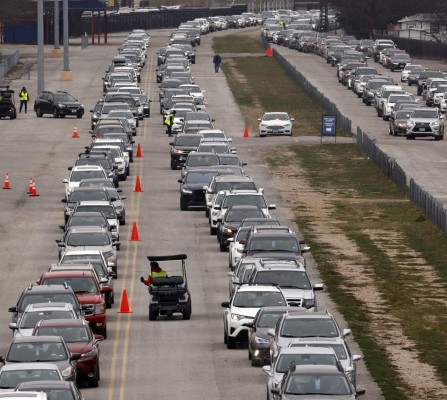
x=55, y=113
x=222, y=247
x=94, y=382
x=173, y=166
x=213, y=231
x=153, y=314
x=128, y=171
x=104, y=332
x=183, y=205
x=123, y=222
x=231, y=342
x=225, y=337
x=410, y=137
x=255, y=362
x=39, y=112
x=249, y=354
x=187, y=312
x=437, y=138
x=409, y=83
x=109, y=300
x=79, y=116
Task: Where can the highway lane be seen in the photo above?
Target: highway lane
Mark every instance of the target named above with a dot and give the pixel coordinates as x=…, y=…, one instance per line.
x=165, y=358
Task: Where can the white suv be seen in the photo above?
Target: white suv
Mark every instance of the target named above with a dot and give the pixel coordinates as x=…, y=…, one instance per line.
x=242, y=308
x=80, y=172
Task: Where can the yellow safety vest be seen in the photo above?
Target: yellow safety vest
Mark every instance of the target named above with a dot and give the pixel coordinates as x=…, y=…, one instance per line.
x=24, y=96
x=161, y=274
x=168, y=120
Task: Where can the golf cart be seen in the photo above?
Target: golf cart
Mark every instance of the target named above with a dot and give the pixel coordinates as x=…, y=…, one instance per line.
x=7, y=103
x=168, y=295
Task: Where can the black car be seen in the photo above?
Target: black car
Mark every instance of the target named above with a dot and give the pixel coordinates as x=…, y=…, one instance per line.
x=232, y=220
x=59, y=104
x=7, y=106
x=181, y=147
x=191, y=187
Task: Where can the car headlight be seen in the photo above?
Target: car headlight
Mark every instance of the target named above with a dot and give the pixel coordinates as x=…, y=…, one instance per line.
x=260, y=340
x=67, y=371
x=309, y=303
x=186, y=191
x=434, y=123
x=410, y=123
x=402, y=125
x=214, y=213
x=60, y=105
x=119, y=208
x=108, y=254
x=238, y=317
x=81, y=106
x=178, y=151
x=100, y=308
x=88, y=354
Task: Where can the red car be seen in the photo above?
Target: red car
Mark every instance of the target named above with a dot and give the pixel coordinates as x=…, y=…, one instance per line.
x=88, y=291
x=80, y=340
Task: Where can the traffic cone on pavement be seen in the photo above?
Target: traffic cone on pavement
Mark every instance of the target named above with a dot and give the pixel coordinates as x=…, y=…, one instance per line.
x=139, y=152
x=269, y=52
x=75, y=133
x=30, y=187
x=124, y=308
x=138, y=185
x=246, y=135
x=34, y=190
x=134, y=237
x=6, y=184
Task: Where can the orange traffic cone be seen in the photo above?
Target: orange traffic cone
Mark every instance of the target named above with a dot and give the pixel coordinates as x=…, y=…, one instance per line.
x=34, y=190
x=124, y=308
x=30, y=187
x=139, y=152
x=246, y=133
x=138, y=186
x=134, y=237
x=269, y=52
x=75, y=133
x=6, y=185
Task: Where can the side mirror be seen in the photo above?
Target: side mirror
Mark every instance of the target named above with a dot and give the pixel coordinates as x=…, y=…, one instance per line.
x=272, y=207
x=116, y=244
x=63, y=200
x=346, y=332
x=318, y=286
x=12, y=309
x=65, y=181
x=271, y=332
x=70, y=168
x=267, y=369
x=12, y=325
x=75, y=357
x=225, y=304
x=356, y=357
x=180, y=180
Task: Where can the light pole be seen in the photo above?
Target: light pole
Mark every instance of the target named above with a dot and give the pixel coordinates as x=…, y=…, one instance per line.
x=40, y=49
x=66, y=74
x=56, y=50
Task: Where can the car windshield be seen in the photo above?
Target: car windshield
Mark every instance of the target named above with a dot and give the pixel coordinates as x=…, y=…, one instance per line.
x=37, y=351
x=376, y=84
x=198, y=160
x=239, y=215
x=214, y=148
x=276, y=116
x=121, y=113
x=78, y=176
x=31, y=318
x=107, y=210
x=110, y=129
x=57, y=394
x=285, y=360
x=258, y=299
x=235, y=186
x=48, y=298
x=99, y=183
x=107, y=107
x=317, y=384
x=10, y=379
x=88, y=239
x=83, y=195
x=63, y=97
x=430, y=114
x=242, y=234
x=199, y=177
x=403, y=115
x=183, y=140
x=268, y=319
x=245, y=200
x=71, y=334
x=308, y=327
x=81, y=284
x=274, y=244
x=338, y=348
x=98, y=161
x=87, y=221
x=289, y=279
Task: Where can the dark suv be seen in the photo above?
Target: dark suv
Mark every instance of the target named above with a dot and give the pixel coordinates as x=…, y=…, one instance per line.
x=59, y=104
x=44, y=294
x=181, y=147
x=7, y=107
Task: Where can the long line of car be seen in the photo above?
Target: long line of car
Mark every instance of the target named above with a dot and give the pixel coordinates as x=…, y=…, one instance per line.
x=272, y=304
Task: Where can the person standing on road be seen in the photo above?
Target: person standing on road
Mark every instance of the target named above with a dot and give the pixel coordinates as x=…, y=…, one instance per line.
x=217, y=60
x=24, y=98
x=156, y=272
x=169, y=121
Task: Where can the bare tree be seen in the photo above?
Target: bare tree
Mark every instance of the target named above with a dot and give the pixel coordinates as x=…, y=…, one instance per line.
x=15, y=11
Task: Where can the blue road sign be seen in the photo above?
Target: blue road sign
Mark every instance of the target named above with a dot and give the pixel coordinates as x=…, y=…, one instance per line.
x=328, y=125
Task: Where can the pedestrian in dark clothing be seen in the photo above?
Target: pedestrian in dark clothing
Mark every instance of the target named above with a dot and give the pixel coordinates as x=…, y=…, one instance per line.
x=217, y=60
x=24, y=97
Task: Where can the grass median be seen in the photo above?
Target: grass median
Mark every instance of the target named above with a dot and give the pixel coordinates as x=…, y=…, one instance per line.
x=382, y=261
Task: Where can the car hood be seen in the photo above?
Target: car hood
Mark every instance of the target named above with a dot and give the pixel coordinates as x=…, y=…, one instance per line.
x=71, y=103
x=193, y=186
x=275, y=122
x=79, y=348
x=249, y=312
x=89, y=298
x=232, y=225
x=187, y=148
x=272, y=254
x=290, y=293
x=423, y=119
x=317, y=397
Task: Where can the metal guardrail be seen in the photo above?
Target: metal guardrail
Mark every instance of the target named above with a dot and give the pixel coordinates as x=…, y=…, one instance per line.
x=421, y=198
x=7, y=62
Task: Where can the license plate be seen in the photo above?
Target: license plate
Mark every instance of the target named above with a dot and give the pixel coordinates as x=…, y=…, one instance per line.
x=421, y=129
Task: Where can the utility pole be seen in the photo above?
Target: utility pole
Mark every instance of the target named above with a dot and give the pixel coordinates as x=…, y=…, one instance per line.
x=56, y=50
x=40, y=49
x=66, y=74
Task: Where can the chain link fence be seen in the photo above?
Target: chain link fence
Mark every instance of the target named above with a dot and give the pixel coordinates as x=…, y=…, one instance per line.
x=7, y=62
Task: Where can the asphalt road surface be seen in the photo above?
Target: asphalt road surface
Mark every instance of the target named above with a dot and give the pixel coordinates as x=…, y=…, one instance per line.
x=164, y=359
